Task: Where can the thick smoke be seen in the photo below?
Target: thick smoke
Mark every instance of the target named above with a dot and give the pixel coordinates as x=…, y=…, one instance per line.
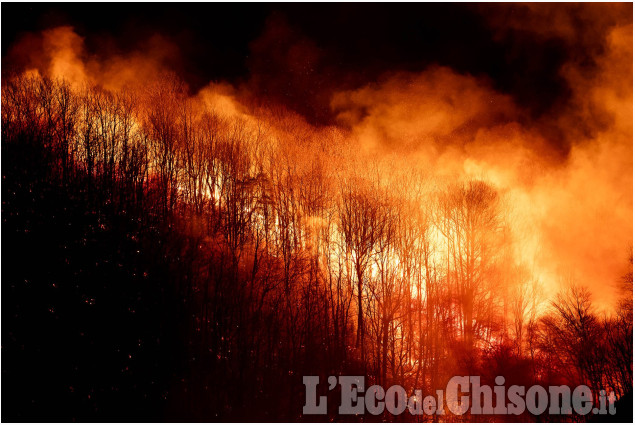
x=575, y=210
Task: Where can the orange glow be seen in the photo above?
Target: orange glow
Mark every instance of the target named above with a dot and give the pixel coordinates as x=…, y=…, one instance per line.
x=433, y=225
x=571, y=217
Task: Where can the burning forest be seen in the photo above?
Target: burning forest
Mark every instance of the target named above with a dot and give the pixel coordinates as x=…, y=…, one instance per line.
x=219, y=224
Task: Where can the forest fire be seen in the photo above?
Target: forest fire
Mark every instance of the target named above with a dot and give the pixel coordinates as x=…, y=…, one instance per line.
x=424, y=223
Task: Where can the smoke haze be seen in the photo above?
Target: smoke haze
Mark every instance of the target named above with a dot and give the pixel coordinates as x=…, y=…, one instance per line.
x=545, y=113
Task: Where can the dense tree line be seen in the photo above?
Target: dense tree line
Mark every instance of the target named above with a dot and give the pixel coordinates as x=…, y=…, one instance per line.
x=276, y=255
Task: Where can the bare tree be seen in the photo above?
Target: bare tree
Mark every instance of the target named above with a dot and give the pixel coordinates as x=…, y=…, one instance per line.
x=470, y=223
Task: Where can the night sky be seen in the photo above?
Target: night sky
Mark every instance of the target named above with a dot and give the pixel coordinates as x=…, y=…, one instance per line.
x=299, y=54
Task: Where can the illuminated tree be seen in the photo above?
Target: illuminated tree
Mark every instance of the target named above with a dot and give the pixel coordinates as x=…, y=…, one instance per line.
x=363, y=223
x=471, y=221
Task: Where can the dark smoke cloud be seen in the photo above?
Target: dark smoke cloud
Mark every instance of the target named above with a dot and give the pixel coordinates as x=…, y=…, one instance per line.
x=301, y=54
